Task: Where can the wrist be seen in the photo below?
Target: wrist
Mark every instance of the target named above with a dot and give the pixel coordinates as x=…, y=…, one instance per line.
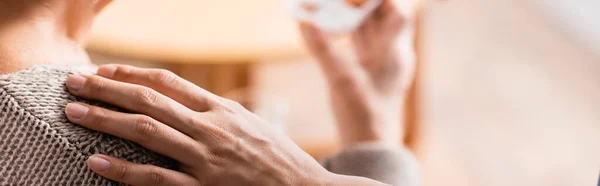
x=358, y=141
x=376, y=120
x=385, y=131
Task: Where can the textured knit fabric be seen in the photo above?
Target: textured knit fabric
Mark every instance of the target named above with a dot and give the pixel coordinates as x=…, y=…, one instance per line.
x=394, y=166
x=39, y=146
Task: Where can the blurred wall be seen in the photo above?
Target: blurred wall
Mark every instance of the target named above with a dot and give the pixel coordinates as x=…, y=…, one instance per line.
x=578, y=18
x=508, y=99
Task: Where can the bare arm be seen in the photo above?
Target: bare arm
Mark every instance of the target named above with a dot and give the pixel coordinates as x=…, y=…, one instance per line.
x=368, y=95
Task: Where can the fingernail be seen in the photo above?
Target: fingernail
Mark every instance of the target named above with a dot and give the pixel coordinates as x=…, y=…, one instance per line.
x=98, y=164
x=75, y=82
x=107, y=71
x=76, y=111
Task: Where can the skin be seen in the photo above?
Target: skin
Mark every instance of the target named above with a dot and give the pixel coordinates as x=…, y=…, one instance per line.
x=218, y=142
x=215, y=140
x=37, y=32
x=368, y=93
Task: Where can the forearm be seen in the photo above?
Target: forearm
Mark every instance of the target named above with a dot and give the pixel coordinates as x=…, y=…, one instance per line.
x=373, y=121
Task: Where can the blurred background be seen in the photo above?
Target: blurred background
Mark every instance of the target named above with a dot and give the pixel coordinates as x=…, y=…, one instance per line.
x=507, y=92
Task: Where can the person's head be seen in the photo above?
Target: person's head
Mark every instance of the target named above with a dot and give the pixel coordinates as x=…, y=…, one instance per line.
x=45, y=31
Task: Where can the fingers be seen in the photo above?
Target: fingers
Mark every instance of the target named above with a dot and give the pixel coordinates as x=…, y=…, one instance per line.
x=397, y=18
x=137, y=128
x=371, y=43
x=319, y=45
x=375, y=41
x=388, y=7
x=133, y=97
x=389, y=18
x=164, y=82
x=317, y=41
x=137, y=174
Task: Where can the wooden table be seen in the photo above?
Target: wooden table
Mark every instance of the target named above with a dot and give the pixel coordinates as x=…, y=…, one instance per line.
x=197, y=31
x=200, y=40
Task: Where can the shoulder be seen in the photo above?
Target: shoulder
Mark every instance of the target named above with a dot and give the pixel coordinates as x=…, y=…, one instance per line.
x=40, y=94
x=40, y=90
x=43, y=144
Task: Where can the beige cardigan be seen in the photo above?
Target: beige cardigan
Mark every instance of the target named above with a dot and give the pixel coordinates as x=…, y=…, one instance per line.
x=39, y=146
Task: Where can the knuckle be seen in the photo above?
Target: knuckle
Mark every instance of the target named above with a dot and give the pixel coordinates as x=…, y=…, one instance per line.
x=123, y=72
x=198, y=124
x=229, y=105
x=155, y=177
x=97, y=117
x=164, y=77
x=96, y=85
x=121, y=171
x=145, y=128
x=234, y=104
x=144, y=96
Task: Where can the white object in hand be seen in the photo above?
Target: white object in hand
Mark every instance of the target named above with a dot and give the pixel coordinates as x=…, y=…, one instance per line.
x=333, y=16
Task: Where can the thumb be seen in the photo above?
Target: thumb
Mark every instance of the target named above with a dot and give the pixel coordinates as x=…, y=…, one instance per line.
x=316, y=40
x=388, y=7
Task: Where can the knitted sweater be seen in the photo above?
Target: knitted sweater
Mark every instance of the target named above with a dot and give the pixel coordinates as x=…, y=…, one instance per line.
x=39, y=146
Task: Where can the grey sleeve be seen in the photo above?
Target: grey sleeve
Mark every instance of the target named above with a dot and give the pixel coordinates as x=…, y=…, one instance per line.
x=390, y=165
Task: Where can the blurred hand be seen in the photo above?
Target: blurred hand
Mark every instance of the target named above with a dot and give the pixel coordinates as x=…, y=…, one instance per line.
x=215, y=140
x=368, y=93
